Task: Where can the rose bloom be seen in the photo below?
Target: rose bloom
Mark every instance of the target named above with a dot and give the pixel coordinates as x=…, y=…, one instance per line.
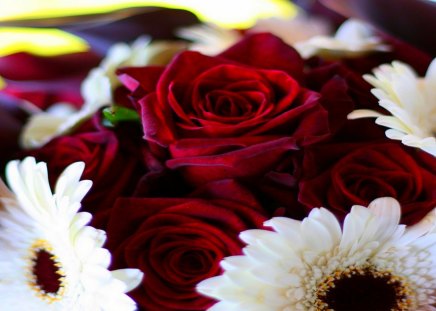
x=345, y=174
x=179, y=242
x=113, y=161
x=279, y=187
x=229, y=116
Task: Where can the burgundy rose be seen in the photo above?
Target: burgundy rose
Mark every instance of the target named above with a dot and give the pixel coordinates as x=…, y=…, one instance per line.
x=344, y=90
x=243, y=107
x=179, y=242
x=337, y=176
x=114, y=164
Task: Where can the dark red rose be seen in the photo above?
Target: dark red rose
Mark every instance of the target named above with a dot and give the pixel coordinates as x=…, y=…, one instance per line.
x=44, y=81
x=227, y=96
x=114, y=164
x=179, y=242
x=343, y=89
x=337, y=176
x=232, y=115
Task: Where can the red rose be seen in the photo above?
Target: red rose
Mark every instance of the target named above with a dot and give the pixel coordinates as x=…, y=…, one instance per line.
x=344, y=90
x=243, y=107
x=179, y=242
x=114, y=168
x=336, y=176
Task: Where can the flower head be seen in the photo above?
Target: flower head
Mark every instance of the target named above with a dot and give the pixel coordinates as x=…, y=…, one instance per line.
x=49, y=258
x=411, y=100
x=353, y=39
x=372, y=263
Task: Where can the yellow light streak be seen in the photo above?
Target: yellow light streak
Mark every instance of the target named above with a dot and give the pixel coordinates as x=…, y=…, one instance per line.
x=230, y=13
x=44, y=42
x=227, y=13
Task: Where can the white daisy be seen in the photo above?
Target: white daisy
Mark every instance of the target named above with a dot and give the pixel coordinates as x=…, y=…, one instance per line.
x=49, y=259
x=352, y=39
x=372, y=263
x=410, y=100
x=96, y=89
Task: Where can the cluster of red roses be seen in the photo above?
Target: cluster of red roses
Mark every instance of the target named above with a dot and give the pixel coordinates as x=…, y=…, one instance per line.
x=224, y=143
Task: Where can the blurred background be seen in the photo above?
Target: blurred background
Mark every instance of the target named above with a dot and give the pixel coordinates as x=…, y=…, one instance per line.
x=38, y=26
x=85, y=18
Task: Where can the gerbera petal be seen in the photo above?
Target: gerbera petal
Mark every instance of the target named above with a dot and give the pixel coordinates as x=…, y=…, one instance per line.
x=130, y=277
x=395, y=134
x=363, y=113
x=424, y=226
x=431, y=70
x=427, y=144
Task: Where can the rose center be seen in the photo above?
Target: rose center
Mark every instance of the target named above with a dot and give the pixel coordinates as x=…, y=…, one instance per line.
x=362, y=289
x=46, y=275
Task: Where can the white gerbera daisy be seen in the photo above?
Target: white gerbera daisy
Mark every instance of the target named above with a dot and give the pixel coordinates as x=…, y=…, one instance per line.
x=96, y=89
x=410, y=100
x=49, y=259
x=352, y=39
x=372, y=263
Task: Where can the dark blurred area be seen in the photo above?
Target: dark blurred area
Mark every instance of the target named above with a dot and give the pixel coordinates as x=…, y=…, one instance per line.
x=157, y=23
x=316, y=8
x=102, y=30
x=11, y=122
x=409, y=20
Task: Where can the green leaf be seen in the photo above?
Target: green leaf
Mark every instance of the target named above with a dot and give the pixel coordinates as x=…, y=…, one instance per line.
x=115, y=114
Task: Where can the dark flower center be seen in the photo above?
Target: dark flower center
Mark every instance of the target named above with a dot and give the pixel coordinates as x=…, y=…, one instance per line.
x=47, y=275
x=363, y=289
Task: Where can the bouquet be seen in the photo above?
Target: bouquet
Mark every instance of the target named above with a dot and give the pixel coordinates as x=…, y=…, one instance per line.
x=280, y=167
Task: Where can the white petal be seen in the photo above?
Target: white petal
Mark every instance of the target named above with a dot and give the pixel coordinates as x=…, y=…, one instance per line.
x=363, y=113
x=130, y=277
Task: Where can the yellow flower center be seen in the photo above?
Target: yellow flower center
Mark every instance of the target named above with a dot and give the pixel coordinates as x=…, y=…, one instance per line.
x=45, y=274
x=362, y=289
